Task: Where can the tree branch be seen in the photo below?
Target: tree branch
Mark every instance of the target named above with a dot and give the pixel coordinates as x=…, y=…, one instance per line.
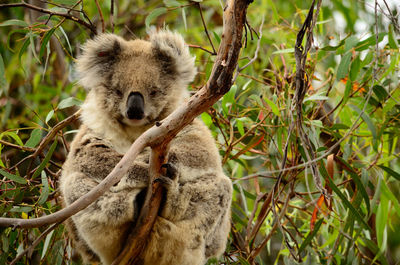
x=137, y=239
x=52, y=13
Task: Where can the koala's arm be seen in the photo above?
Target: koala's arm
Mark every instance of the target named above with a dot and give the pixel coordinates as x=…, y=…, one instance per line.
x=90, y=160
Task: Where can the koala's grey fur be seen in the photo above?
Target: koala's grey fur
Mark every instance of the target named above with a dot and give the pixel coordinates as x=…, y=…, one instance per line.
x=195, y=219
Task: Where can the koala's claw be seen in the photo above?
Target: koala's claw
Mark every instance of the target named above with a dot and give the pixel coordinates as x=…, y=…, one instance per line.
x=165, y=181
x=171, y=171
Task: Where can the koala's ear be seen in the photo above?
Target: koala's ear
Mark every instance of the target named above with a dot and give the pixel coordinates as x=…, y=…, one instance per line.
x=97, y=59
x=170, y=48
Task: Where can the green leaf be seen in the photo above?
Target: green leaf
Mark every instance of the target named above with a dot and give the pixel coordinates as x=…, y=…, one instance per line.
x=229, y=98
x=171, y=3
x=34, y=139
x=381, y=219
x=45, y=189
x=311, y=235
x=153, y=14
x=46, y=244
x=355, y=68
x=3, y=80
x=45, y=160
x=49, y=116
x=206, y=119
x=390, y=172
x=368, y=59
x=392, y=40
x=184, y=18
x=14, y=22
x=33, y=48
x=357, y=180
x=13, y=177
x=23, y=49
x=273, y=107
x=369, y=123
x=350, y=43
x=66, y=2
x=315, y=97
x=45, y=40
x=339, y=126
x=66, y=38
x=69, y=102
x=371, y=41
x=243, y=261
x=380, y=92
x=290, y=50
x=347, y=204
x=343, y=68
x=239, y=125
x=216, y=36
x=21, y=209
x=14, y=136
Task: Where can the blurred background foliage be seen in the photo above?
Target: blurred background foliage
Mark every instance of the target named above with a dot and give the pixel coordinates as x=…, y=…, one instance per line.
x=278, y=217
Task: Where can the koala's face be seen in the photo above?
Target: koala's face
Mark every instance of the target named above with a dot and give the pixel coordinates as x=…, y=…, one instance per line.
x=137, y=82
x=139, y=90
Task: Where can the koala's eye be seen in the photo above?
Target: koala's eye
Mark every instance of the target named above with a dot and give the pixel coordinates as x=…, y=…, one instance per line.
x=119, y=92
x=153, y=92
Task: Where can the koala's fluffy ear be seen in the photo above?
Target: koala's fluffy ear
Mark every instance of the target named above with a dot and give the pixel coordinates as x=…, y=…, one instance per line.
x=171, y=49
x=97, y=59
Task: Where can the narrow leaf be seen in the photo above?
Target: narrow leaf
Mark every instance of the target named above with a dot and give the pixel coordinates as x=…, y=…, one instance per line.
x=155, y=13
x=392, y=40
x=311, y=235
x=45, y=160
x=15, y=137
x=3, y=81
x=45, y=40
x=14, y=22
x=356, y=179
x=68, y=102
x=49, y=116
x=348, y=205
x=45, y=189
x=355, y=68
x=46, y=244
x=273, y=107
x=343, y=68
x=390, y=172
x=13, y=177
x=34, y=139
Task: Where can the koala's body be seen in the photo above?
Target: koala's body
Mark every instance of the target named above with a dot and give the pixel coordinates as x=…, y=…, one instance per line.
x=133, y=84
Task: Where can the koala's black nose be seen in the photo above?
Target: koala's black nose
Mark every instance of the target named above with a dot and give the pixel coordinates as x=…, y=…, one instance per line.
x=135, y=106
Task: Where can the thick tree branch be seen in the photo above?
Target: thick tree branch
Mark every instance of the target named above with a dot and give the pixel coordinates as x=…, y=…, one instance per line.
x=138, y=237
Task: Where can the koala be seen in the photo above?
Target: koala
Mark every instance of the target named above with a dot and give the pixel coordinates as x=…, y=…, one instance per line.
x=132, y=85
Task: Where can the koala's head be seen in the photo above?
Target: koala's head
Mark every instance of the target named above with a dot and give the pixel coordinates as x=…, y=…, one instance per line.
x=136, y=82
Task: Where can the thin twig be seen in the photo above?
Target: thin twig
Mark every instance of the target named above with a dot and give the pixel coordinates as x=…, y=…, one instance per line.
x=252, y=60
x=201, y=48
x=23, y=148
x=52, y=13
x=112, y=16
x=205, y=29
x=103, y=26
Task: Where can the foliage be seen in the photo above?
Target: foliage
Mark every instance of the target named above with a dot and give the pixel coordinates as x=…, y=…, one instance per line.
x=278, y=217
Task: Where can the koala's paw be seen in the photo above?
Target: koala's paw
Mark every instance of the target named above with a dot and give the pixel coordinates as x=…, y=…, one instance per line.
x=170, y=171
x=169, y=176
